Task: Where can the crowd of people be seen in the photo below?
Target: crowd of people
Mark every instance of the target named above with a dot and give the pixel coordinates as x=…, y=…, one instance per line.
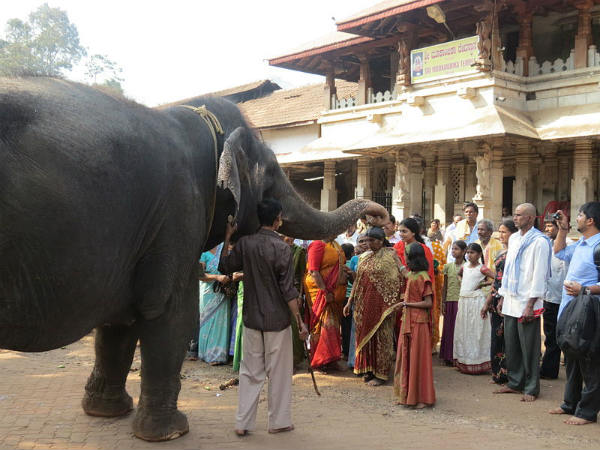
x=372, y=298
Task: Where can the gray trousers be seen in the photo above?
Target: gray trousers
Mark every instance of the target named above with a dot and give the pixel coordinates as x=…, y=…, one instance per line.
x=265, y=354
x=523, y=349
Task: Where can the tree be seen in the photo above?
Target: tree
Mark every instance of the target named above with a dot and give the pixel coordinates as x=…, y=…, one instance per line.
x=99, y=65
x=46, y=45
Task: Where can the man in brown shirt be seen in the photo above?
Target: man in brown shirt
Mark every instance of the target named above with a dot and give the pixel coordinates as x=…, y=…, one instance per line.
x=269, y=295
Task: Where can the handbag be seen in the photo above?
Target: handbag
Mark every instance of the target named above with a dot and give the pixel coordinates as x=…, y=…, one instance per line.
x=578, y=328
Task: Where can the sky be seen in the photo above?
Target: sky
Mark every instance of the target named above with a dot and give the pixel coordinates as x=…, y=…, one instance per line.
x=171, y=50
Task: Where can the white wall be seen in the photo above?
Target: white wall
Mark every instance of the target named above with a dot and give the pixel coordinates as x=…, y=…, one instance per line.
x=288, y=140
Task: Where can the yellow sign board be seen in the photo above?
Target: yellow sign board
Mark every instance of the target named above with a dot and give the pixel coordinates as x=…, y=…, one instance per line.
x=442, y=60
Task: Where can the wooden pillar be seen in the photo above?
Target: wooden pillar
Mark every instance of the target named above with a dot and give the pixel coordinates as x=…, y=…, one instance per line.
x=525, y=47
x=581, y=183
x=583, y=38
x=328, y=193
x=329, y=89
x=364, y=82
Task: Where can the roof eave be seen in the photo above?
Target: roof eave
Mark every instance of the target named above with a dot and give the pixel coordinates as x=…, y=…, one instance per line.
x=350, y=25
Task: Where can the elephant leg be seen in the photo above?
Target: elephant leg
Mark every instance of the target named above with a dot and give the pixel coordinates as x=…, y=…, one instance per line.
x=163, y=343
x=105, y=393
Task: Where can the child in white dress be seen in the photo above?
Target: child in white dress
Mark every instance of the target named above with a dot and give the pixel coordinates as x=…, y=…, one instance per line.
x=471, y=332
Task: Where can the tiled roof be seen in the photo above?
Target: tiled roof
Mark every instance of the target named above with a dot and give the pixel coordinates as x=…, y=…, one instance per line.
x=224, y=93
x=292, y=106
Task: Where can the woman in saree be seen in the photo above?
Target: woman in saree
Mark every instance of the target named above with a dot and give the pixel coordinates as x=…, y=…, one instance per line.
x=213, y=338
x=409, y=230
x=498, y=358
x=325, y=288
x=375, y=296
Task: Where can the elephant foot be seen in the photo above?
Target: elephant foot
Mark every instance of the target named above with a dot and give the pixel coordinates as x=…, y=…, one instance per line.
x=164, y=426
x=102, y=405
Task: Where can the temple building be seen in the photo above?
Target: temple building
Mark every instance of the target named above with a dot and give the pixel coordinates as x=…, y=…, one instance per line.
x=428, y=104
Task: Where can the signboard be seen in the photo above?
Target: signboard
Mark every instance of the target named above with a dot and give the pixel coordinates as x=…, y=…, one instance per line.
x=442, y=60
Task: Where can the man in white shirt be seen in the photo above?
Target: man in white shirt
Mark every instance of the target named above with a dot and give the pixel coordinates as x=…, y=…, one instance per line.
x=349, y=236
x=524, y=282
x=551, y=358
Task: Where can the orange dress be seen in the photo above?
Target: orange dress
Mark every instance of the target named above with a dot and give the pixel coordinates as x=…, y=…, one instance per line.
x=325, y=336
x=413, y=377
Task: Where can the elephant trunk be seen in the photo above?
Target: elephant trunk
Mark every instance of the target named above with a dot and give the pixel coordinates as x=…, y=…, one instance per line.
x=302, y=221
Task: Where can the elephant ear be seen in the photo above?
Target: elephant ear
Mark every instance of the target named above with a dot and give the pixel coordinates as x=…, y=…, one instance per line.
x=231, y=161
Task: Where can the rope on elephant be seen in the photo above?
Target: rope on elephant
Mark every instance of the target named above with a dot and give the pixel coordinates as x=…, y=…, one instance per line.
x=215, y=128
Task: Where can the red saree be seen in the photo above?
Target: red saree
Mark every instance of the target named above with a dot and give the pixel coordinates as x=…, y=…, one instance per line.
x=325, y=337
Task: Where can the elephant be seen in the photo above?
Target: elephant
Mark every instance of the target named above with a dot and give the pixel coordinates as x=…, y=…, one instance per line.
x=105, y=208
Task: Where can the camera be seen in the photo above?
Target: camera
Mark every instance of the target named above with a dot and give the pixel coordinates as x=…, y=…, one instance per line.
x=556, y=216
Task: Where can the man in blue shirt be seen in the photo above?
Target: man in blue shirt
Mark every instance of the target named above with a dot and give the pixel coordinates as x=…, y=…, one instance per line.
x=582, y=404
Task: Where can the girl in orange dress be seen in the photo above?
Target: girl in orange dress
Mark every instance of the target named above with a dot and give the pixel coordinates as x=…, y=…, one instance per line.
x=413, y=377
x=325, y=285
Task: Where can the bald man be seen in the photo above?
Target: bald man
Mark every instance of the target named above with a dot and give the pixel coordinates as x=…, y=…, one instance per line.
x=526, y=273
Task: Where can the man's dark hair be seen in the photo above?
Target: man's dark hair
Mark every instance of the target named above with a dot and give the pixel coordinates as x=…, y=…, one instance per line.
x=392, y=219
x=268, y=210
x=417, y=262
x=472, y=205
x=592, y=211
x=348, y=250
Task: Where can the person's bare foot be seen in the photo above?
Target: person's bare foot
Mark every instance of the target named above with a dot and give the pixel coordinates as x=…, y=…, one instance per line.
x=281, y=430
x=241, y=432
x=420, y=406
x=376, y=382
x=506, y=390
x=528, y=398
x=557, y=411
x=577, y=421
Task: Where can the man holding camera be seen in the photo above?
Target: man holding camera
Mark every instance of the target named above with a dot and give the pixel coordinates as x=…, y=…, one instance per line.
x=582, y=403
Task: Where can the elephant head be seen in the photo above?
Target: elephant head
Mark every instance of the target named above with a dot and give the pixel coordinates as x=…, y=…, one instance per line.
x=249, y=172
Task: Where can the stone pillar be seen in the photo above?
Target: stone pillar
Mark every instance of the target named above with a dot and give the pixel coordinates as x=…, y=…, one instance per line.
x=581, y=183
x=400, y=192
x=429, y=183
x=564, y=174
x=364, y=82
x=328, y=193
x=443, y=207
x=489, y=173
x=416, y=185
x=523, y=183
x=390, y=176
x=583, y=38
x=329, y=89
x=363, y=179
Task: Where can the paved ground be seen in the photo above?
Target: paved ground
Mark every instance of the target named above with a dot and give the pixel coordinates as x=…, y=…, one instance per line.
x=40, y=396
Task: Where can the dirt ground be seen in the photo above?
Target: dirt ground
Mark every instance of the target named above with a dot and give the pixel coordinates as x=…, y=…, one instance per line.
x=40, y=398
